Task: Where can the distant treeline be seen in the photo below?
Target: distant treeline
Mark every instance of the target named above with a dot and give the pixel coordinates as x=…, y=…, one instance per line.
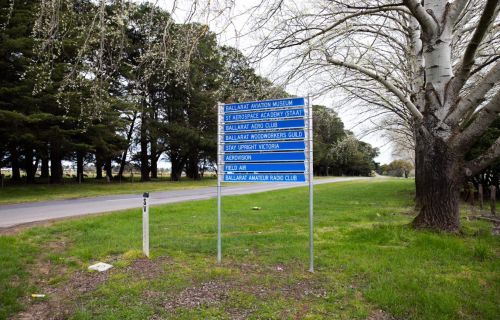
x=123, y=84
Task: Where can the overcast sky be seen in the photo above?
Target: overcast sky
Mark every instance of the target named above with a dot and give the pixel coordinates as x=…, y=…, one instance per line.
x=232, y=28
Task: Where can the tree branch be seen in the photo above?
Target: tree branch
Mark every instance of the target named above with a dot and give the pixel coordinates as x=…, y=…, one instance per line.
x=456, y=9
x=482, y=121
x=429, y=26
x=388, y=85
x=476, y=96
x=487, y=17
x=477, y=165
x=283, y=43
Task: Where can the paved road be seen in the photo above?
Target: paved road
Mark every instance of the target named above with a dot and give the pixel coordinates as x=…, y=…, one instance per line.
x=16, y=214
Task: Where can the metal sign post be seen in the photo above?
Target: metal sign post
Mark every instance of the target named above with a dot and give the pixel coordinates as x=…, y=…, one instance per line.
x=220, y=146
x=310, y=168
x=145, y=224
x=265, y=141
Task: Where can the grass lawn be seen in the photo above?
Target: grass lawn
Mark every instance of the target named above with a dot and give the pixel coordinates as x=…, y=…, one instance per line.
x=369, y=264
x=42, y=192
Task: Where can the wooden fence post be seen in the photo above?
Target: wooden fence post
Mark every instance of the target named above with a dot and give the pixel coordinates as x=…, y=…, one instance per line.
x=480, y=195
x=493, y=199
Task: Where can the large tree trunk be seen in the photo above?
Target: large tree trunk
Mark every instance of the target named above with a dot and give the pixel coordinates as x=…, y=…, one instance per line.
x=192, y=169
x=14, y=160
x=437, y=164
x=153, y=138
x=44, y=172
x=123, y=160
x=178, y=164
x=30, y=166
x=56, y=170
x=154, y=159
x=419, y=178
x=109, y=169
x=79, y=166
x=98, y=166
x=144, y=148
x=438, y=180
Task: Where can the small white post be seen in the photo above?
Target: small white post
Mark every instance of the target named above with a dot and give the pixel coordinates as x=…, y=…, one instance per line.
x=145, y=224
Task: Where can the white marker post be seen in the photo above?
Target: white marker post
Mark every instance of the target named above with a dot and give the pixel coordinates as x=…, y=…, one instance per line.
x=145, y=224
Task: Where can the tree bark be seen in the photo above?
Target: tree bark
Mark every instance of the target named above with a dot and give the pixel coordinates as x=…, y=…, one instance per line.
x=79, y=166
x=154, y=159
x=30, y=167
x=44, y=172
x=14, y=160
x=56, y=170
x=123, y=160
x=98, y=166
x=109, y=169
x=192, y=169
x=178, y=164
x=438, y=181
x=144, y=148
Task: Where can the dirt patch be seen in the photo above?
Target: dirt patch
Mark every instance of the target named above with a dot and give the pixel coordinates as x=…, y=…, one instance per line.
x=305, y=288
x=63, y=297
x=218, y=292
x=60, y=298
x=58, y=301
x=206, y=294
x=146, y=268
x=380, y=315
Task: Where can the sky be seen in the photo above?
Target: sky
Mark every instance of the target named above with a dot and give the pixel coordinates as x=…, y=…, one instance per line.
x=231, y=26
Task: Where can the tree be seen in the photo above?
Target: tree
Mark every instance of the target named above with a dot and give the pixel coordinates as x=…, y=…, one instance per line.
x=491, y=174
x=353, y=157
x=433, y=64
x=240, y=81
x=399, y=168
x=15, y=56
x=328, y=130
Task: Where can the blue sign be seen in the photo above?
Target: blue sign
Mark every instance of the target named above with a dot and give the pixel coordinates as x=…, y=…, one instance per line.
x=268, y=104
x=267, y=146
x=264, y=177
x=264, y=157
x=269, y=135
x=264, y=167
x=265, y=125
x=263, y=115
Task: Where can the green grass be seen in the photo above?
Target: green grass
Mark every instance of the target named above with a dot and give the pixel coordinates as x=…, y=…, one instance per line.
x=43, y=192
x=367, y=259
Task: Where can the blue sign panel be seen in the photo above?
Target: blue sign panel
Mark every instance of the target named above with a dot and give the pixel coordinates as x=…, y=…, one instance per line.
x=264, y=157
x=264, y=167
x=270, y=135
x=268, y=146
x=265, y=177
x=263, y=115
x=266, y=125
x=268, y=104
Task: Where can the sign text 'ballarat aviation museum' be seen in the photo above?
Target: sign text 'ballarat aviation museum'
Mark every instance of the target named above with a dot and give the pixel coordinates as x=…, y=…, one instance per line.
x=264, y=141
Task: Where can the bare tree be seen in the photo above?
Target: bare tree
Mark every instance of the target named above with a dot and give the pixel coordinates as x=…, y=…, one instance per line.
x=433, y=65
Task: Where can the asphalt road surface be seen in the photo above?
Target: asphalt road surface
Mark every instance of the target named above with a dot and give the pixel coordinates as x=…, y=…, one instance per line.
x=17, y=214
